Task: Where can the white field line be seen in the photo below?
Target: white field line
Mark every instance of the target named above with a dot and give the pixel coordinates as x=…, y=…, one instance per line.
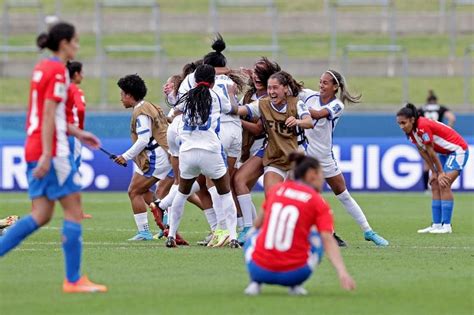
x=88, y=200
x=56, y=228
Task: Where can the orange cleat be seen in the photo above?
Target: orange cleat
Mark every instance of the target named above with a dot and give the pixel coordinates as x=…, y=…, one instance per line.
x=83, y=285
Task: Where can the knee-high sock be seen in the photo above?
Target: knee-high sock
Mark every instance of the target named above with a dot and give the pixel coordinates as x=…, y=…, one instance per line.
x=248, y=208
x=217, y=205
x=354, y=210
x=72, y=248
x=17, y=233
x=436, y=211
x=447, y=210
x=230, y=211
x=168, y=200
x=211, y=218
x=176, y=212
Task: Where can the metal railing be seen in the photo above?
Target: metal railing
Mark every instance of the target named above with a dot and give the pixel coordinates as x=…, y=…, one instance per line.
x=468, y=73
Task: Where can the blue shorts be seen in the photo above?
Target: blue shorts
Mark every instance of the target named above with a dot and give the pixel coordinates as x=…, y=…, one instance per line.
x=62, y=179
x=260, y=152
x=75, y=148
x=285, y=278
x=453, y=161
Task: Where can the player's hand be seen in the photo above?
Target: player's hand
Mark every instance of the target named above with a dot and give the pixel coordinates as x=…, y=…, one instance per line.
x=43, y=166
x=120, y=160
x=346, y=281
x=444, y=180
x=232, y=89
x=291, y=122
x=433, y=177
x=168, y=88
x=89, y=139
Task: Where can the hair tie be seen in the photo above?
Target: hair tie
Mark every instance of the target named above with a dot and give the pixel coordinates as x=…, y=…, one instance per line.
x=203, y=83
x=334, y=76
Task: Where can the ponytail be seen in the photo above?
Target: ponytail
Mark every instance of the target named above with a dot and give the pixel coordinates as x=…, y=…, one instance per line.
x=302, y=163
x=55, y=35
x=409, y=111
x=344, y=95
x=286, y=79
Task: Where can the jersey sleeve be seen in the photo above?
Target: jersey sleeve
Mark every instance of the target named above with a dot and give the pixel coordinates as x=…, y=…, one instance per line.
x=56, y=88
x=335, y=109
x=302, y=109
x=425, y=133
x=324, y=219
x=253, y=109
x=186, y=85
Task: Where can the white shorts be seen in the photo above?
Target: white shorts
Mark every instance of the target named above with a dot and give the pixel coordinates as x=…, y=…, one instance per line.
x=328, y=165
x=194, y=162
x=273, y=169
x=231, y=138
x=257, y=145
x=160, y=165
x=172, y=136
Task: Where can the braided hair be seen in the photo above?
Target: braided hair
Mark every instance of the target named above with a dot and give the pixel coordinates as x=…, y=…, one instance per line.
x=198, y=100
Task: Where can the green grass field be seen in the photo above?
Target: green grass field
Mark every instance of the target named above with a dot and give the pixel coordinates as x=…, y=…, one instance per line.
x=417, y=274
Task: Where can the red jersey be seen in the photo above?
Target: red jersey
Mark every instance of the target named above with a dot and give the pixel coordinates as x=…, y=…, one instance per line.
x=75, y=106
x=49, y=82
x=291, y=210
x=444, y=138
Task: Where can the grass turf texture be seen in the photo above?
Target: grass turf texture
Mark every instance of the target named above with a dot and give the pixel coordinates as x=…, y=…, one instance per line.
x=417, y=274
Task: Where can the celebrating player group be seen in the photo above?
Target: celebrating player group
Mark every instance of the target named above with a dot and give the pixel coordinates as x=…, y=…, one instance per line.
x=225, y=129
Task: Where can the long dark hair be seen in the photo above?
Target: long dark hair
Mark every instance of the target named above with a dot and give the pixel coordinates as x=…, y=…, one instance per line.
x=263, y=69
x=342, y=85
x=73, y=67
x=409, y=111
x=287, y=79
x=302, y=163
x=198, y=100
x=216, y=58
x=55, y=35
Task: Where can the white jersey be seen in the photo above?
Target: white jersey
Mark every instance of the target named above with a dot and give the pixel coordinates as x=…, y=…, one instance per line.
x=220, y=87
x=320, y=138
x=204, y=135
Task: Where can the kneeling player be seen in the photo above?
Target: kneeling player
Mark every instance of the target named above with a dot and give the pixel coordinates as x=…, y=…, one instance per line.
x=286, y=248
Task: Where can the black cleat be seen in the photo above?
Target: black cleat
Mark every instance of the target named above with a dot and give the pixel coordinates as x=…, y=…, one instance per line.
x=340, y=241
x=171, y=242
x=234, y=244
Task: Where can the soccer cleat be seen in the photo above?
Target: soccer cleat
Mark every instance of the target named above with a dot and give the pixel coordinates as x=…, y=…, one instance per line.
x=171, y=242
x=243, y=235
x=159, y=235
x=374, y=237
x=157, y=214
x=297, y=290
x=179, y=239
x=444, y=229
x=429, y=229
x=253, y=289
x=142, y=236
x=223, y=240
x=340, y=241
x=8, y=221
x=206, y=240
x=215, y=238
x=83, y=285
x=234, y=244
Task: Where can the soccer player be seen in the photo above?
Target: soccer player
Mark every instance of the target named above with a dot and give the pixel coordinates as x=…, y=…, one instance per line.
x=446, y=154
x=51, y=171
x=149, y=150
x=286, y=248
x=201, y=151
x=326, y=109
x=433, y=110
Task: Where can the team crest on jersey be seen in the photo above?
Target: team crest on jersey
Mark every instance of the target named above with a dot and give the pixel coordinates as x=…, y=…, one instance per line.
x=37, y=75
x=60, y=90
x=425, y=137
x=337, y=108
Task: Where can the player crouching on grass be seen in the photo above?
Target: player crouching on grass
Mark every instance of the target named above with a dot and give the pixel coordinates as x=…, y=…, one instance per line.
x=149, y=151
x=446, y=154
x=286, y=247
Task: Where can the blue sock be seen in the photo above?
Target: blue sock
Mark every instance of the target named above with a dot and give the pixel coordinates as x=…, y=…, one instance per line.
x=17, y=233
x=436, y=211
x=447, y=210
x=72, y=247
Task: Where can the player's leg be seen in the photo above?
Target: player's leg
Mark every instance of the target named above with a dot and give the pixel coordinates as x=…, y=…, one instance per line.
x=138, y=188
x=272, y=176
x=208, y=210
x=436, y=220
x=72, y=247
x=426, y=175
x=338, y=186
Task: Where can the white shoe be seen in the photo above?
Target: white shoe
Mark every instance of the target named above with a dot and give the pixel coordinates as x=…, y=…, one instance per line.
x=253, y=289
x=445, y=229
x=429, y=229
x=297, y=290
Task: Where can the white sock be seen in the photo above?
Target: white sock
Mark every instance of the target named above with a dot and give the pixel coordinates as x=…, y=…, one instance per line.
x=247, y=207
x=176, y=212
x=230, y=211
x=141, y=220
x=166, y=202
x=240, y=223
x=217, y=205
x=354, y=210
x=195, y=188
x=211, y=218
